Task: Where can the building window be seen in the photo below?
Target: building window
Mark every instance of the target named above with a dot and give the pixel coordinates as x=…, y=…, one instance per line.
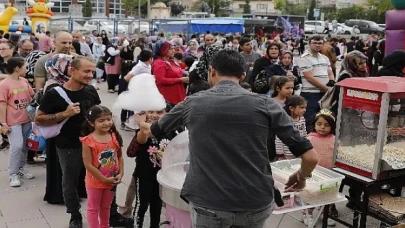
x=261, y=6
x=65, y=10
x=241, y=6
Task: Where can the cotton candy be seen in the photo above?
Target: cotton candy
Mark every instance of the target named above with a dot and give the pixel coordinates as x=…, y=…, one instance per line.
x=142, y=95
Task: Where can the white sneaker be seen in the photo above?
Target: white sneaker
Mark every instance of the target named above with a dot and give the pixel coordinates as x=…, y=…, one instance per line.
x=25, y=174
x=42, y=156
x=308, y=219
x=15, y=181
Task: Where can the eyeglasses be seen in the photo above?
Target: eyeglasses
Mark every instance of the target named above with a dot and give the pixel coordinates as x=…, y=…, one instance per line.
x=317, y=43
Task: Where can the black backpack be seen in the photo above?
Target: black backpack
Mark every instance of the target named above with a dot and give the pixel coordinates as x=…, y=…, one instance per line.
x=260, y=83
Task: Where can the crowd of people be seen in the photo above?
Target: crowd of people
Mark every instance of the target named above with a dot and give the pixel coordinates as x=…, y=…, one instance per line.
x=233, y=94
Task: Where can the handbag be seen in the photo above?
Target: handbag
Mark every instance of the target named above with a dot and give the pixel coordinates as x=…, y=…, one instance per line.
x=52, y=130
x=133, y=148
x=328, y=101
x=35, y=143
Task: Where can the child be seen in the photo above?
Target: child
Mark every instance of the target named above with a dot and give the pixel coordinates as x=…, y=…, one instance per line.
x=322, y=138
x=283, y=88
x=295, y=106
x=16, y=94
x=104, y=164
x=198, y=86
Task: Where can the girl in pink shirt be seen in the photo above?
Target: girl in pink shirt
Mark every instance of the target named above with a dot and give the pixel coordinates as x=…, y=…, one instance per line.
x=15, y=96
x=322, y=138
x=104, y=164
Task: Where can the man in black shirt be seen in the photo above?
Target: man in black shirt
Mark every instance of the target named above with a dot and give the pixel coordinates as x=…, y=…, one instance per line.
x=350, y=44
x=229, y=182
x=55, y=109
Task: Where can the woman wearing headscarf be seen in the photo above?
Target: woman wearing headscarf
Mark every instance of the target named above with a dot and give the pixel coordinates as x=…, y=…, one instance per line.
x=284, y=67
x=178, y=43
x=271, y=57
x=378, y=58
x=113, y=64
x=57, y=73
x=192, y=49
x=201, y=70
x=353, y=65
x=168, y=74
x=393, y=64
x=76, y=47
x=98, y=53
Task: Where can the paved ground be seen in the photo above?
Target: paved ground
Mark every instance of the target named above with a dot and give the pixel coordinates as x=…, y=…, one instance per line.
x=24, y=208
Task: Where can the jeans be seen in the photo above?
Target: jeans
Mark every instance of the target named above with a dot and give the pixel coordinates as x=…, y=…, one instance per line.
x=312, y=108
x=207, y=218
x=71, y=162
x=17, y=157
x=98, y=207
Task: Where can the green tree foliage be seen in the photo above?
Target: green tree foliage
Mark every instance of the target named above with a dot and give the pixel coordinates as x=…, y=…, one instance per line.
x=176, y=8
x=353, y=12
x=203, y=7
x=132, y=5
x=280, y=5
x=330, y=13
x=246, y=7
x=218, y=7
x=381, y=6
x=87, y=9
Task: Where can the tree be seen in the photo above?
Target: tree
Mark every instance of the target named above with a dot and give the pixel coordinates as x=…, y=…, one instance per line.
x=311, y=10
x=203, y=7
x=296, y=9
x=87, y=9
x=176, y=8
x=132, y=5
x=246, y=7
x=218, y=7
x=280, y=5
x=352, y=12
x=330, y=12
x=381, y=6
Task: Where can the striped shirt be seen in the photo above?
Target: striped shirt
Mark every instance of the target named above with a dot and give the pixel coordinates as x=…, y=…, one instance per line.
x=281, y=149
x=319, y=65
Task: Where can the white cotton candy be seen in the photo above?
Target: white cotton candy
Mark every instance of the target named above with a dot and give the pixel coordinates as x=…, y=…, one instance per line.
x=142, y=95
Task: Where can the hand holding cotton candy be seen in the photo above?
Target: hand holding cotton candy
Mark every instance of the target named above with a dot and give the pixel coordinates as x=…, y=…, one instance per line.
x=142, y=95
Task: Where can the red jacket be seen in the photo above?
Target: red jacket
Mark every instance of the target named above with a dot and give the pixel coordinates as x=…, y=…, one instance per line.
x=168, y=74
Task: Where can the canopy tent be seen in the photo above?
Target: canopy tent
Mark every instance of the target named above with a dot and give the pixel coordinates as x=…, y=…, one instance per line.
x=222, y=25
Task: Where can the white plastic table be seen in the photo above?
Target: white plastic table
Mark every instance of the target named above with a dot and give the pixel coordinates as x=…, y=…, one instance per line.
x=341, y=198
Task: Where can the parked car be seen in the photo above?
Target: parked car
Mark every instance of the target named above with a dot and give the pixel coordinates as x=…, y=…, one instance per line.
x=314, y=27
x=63, y=25
x=106, y=25
x=132, y=26
x=344, y=29
x=382, y=26
x=365, y=27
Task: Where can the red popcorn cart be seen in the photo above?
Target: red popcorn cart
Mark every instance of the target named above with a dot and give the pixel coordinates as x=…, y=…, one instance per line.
x=370, y=127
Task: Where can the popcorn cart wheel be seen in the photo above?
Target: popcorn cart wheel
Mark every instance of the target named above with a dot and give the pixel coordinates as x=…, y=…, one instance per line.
x=370, y=127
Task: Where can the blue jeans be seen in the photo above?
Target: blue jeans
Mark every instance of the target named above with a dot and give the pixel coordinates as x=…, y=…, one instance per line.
x=207, y=218
x=312, y=108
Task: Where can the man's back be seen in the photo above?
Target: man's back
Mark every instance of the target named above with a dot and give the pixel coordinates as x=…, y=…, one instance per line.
x=228, y=129
x=43, y=44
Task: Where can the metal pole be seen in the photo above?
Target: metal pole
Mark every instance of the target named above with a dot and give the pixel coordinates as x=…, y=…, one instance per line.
x=148, y=9
x=139, y=18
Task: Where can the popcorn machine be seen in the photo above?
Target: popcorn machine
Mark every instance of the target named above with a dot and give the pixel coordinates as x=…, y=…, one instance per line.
x=370, y=128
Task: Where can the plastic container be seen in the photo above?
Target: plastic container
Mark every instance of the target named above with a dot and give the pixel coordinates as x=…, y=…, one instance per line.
x=290, y=199
x=314, y=192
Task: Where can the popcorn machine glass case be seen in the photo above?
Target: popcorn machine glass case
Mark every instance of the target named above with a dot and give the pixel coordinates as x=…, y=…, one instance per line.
x=370, y=130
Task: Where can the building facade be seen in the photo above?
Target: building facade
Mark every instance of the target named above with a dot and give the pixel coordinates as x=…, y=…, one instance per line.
x=258, y=7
